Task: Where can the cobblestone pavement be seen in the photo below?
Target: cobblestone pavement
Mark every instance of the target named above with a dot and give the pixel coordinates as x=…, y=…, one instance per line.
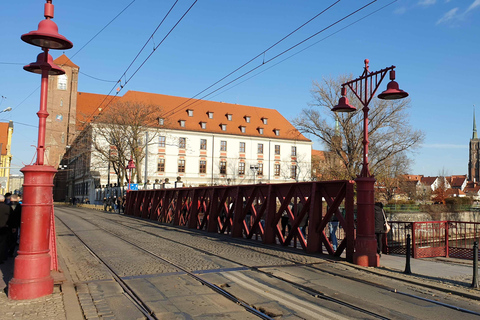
x=261, y=275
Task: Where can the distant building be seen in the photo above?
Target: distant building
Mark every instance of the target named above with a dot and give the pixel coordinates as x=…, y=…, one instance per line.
x=474, y=156
x=6, y=132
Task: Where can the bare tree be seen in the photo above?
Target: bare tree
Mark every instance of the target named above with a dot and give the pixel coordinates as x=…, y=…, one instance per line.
x=121, y=133
x=389, y=131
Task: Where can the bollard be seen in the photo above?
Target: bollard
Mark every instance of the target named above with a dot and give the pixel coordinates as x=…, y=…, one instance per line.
x=475, y=265
x=407, y=265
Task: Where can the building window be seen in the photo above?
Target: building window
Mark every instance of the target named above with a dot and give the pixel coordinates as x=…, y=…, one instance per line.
x=277, y=170
x=161, y=141
x=241, y=168
x=223, y=145
x=203, y=144
x=260, y=169
x=224, y=127
x=277, y=149
x=242, y=129
x=277, y=132
x=182, y=142
x=210, y=115
x=229, y=117
x=181, y=165
x=260, y=148
x=265, y=120
x=293, y=171
x=190, y=112
x=247, y=119
x=161, y=165
x=182, y=123
x=260, y=130
x=223, y=167
x=294, y=151
x=62, y=82
x=203, y=125
x=203, y=166
x=242, y=147
x=161, y=121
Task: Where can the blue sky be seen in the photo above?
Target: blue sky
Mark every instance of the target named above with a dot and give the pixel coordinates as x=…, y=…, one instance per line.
x=433, y=43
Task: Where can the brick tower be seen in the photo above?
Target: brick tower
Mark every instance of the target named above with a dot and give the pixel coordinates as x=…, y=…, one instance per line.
x=61, y=106
x=474, y=157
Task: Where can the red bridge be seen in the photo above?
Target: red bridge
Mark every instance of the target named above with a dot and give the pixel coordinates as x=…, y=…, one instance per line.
x=255, y=211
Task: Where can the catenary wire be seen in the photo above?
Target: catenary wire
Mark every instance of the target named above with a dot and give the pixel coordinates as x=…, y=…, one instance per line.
x=275, y=57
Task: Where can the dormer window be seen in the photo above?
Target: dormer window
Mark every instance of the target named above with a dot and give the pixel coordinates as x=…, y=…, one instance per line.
x=229, y=117
x=276, y=131
x=260, y=130
x=203, y=125
x=247, y=119
x=224, y=127
x=190, y=112
x=161, y=121
x=182, y=123
x=265, y=120
x=243, y=129
x=210, y=115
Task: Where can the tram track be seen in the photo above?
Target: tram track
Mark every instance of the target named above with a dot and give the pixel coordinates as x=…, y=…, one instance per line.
x=308, y=290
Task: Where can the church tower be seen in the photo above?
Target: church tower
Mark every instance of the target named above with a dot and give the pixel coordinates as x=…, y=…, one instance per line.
x=474, y=158
x=61, y=106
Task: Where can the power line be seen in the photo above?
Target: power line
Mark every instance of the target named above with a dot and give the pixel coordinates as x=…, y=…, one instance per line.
x=260, y=54
x=313, y=44
x=97, y=78
x=275, y=57
x=145, y=60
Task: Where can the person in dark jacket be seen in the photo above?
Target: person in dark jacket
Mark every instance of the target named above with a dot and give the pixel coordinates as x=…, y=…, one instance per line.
x=14, y=224
x=5, y=211
x=379, y=225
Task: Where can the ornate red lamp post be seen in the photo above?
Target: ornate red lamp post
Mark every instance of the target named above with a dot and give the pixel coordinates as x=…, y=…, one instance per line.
x=31, y=277
x=364, y=89
x=130, y=167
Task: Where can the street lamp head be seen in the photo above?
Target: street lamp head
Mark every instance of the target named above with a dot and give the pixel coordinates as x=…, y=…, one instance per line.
x=131, y=164
x=393, y=91
x=36, y=67
x=343, y=106
x=7, y=109
x=47, y=36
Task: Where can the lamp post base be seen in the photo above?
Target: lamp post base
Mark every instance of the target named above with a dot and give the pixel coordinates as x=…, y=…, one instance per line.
x=365, y=244
x=31, y=275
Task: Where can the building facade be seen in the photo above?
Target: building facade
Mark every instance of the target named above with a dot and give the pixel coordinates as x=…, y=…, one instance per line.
x=6, y=132
x=199, y=142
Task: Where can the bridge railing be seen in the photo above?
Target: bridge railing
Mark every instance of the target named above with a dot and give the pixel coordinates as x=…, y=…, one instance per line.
x=289, y=214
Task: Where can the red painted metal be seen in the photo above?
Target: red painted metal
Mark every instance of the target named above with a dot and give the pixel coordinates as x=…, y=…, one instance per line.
x=52, y=244
x=364, y=88
x=31, y=278
x=255, y=211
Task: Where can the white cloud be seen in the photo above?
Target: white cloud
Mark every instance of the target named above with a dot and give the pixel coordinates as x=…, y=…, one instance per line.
x=400, y=10
x=445, y=146
x=427, y=2
x=475, y=4
x=452, y=14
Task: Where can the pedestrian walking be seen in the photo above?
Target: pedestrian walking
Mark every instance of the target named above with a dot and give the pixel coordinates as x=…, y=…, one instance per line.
x=14, y=224
x=380, y=225
x=332, y=228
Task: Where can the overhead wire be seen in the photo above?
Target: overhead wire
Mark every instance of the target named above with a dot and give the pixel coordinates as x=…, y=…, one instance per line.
x=144, y=61
x=308, y=47
x=271, y=59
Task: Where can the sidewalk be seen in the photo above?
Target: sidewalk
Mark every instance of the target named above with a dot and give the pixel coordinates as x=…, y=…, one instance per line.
x=450, y=275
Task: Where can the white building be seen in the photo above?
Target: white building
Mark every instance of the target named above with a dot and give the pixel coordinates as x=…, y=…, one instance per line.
x=202, y=142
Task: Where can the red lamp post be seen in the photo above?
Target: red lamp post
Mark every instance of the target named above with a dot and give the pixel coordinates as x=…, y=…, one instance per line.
x=364, y=89
x=130, y=167
x=31, y=277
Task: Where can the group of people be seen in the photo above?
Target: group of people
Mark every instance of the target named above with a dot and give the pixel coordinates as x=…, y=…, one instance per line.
x=10, y=218
x=113, y=203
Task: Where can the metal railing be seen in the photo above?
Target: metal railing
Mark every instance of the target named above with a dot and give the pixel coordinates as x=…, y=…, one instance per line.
x=289, y=214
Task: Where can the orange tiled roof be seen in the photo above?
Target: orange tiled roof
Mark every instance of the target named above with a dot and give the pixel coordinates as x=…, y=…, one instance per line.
x=457, y=181
x=413, y=177
x=64, y=61
x=87, y=103
x=4, y=137
x=319, y=154
x=456, y=192
x=428, y=180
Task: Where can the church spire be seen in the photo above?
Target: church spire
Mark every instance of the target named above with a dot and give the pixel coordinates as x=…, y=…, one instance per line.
x=474, y=125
